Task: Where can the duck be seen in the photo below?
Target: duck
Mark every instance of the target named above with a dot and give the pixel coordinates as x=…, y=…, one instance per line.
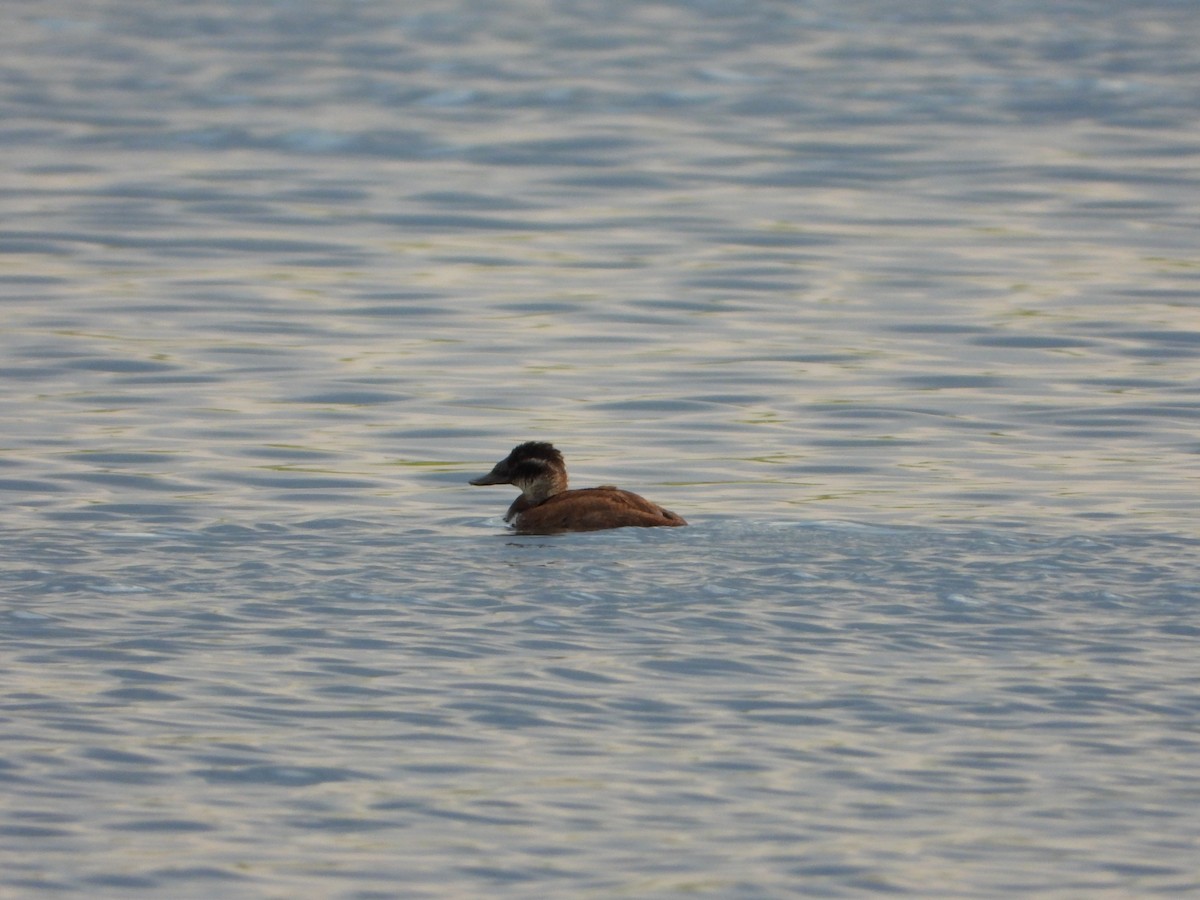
x=547, y=507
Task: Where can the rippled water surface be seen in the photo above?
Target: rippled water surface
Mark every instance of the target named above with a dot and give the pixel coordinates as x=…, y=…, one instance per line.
x=896, y=303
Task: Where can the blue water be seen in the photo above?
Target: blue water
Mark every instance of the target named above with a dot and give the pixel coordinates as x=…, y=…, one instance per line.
x=896, y=304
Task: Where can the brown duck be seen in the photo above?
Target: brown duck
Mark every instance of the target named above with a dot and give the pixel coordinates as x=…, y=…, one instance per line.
x=547, y=507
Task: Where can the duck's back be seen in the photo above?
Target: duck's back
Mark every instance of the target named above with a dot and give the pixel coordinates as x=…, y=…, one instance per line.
x=592, y=509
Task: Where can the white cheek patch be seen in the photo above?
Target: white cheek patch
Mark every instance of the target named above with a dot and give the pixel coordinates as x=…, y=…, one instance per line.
x=541, y=482
x=543, y=466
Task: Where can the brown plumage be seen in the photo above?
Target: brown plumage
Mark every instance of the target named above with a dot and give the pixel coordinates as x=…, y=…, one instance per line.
x=547, y=507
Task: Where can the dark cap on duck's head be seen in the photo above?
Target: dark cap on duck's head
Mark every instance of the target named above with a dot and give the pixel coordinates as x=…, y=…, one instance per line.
x=529, y=464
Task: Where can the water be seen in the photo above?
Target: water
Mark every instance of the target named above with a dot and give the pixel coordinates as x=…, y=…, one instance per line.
x=896, y=305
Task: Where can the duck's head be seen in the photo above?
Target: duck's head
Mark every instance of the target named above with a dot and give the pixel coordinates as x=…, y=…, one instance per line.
x=535, y=467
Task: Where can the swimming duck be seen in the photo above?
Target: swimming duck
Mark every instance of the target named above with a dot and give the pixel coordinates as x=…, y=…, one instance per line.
x=547, y=507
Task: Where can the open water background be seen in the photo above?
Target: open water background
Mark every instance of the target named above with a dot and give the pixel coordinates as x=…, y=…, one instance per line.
x=895, y=302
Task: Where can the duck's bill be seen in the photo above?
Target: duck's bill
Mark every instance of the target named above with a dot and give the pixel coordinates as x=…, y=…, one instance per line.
x=490, y=478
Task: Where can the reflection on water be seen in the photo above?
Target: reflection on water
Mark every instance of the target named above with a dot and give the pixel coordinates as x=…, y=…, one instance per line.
x=276, y=279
